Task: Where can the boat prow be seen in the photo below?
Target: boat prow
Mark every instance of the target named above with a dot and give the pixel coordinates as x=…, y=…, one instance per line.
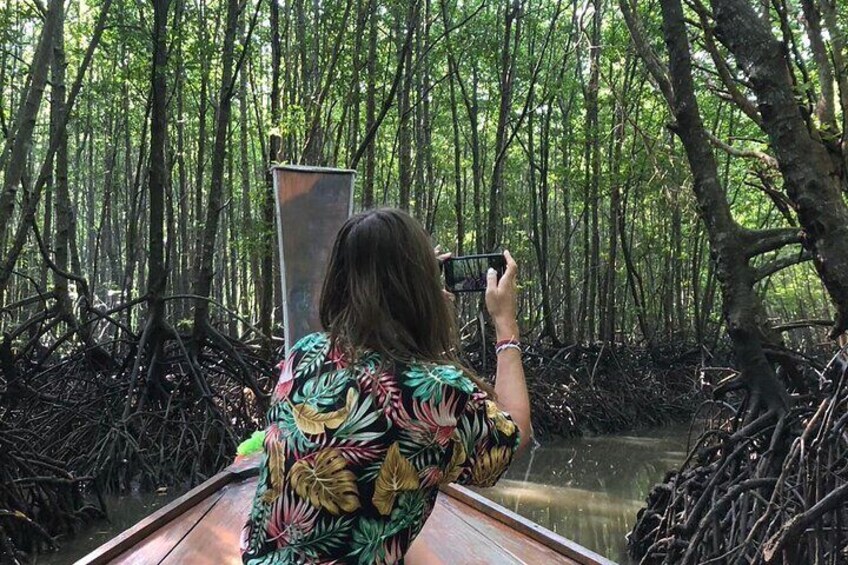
x=203, y=526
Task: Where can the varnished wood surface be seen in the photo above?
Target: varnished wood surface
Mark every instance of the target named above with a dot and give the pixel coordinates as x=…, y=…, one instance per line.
x=216, y=537
x=519, y=524
x=460, y=534
x=156, y=547
x=463, y=530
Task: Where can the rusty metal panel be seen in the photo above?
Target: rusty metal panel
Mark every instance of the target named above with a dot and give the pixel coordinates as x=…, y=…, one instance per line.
x=312, y=204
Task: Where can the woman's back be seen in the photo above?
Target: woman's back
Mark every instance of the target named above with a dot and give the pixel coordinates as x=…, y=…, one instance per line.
x=355, y=453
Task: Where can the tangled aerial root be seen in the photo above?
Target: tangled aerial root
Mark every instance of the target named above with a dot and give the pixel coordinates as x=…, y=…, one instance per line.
x=758, y=488
x=39, y=498
x=133, y=416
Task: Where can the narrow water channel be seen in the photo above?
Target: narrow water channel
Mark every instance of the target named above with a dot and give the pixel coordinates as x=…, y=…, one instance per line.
x=124, y=513
x=586, y=489
x=589, y=489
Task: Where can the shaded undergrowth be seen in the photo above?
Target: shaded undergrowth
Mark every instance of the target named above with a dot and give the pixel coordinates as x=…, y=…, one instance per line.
x=605, y=388
x=130, y=417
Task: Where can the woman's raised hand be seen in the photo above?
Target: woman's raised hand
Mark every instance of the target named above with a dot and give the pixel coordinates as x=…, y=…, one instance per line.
x=501, y=299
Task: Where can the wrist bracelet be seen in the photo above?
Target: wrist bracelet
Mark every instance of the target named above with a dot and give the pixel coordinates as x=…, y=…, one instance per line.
x=502, y=346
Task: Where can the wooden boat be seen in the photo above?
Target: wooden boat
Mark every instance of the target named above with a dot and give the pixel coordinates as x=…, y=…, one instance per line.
x=203, y=527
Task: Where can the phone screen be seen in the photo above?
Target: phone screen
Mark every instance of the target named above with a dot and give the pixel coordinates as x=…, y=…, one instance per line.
x=468, y=274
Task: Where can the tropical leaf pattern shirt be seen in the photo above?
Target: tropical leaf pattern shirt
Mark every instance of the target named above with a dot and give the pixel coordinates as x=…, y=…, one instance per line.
x=354, y=455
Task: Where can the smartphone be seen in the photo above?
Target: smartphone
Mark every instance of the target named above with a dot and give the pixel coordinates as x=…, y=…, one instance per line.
x=468, y=274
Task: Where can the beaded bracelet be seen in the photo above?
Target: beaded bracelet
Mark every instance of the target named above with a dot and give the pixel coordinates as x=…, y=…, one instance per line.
x=503, y=348
x=505, y=344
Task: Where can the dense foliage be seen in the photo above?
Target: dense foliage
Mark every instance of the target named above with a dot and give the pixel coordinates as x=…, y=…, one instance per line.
x=529, y=126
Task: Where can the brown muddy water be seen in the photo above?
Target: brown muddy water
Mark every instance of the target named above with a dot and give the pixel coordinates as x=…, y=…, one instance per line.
x=589, y=489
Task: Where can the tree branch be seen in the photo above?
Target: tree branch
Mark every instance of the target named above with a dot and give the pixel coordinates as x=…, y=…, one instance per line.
x=722, y=68
x=646, y=52
x=762, y=157
x=800, y=324
x=794, y=527
x=781, y=263
x=763, y=241
x=389, y=99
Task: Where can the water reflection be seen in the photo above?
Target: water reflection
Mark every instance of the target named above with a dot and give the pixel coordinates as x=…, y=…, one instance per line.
x=589, y=489
x=124, y=512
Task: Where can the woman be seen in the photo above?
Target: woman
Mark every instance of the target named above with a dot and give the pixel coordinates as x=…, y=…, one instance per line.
x=369, y=418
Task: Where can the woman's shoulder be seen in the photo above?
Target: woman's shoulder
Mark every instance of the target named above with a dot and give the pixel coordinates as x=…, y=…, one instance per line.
x=434, y=379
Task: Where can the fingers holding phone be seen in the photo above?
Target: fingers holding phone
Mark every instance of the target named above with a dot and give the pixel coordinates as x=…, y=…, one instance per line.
x=511, y=272
x=495, y=274
x=441, y=257
x=501, y=297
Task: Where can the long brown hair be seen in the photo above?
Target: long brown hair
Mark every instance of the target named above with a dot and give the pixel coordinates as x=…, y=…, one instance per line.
x=383, y=292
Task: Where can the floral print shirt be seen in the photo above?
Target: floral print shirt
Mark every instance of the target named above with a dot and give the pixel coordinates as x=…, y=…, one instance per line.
x=354, y=455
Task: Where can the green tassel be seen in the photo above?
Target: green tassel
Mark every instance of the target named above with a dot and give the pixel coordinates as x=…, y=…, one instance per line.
x=253, y=444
